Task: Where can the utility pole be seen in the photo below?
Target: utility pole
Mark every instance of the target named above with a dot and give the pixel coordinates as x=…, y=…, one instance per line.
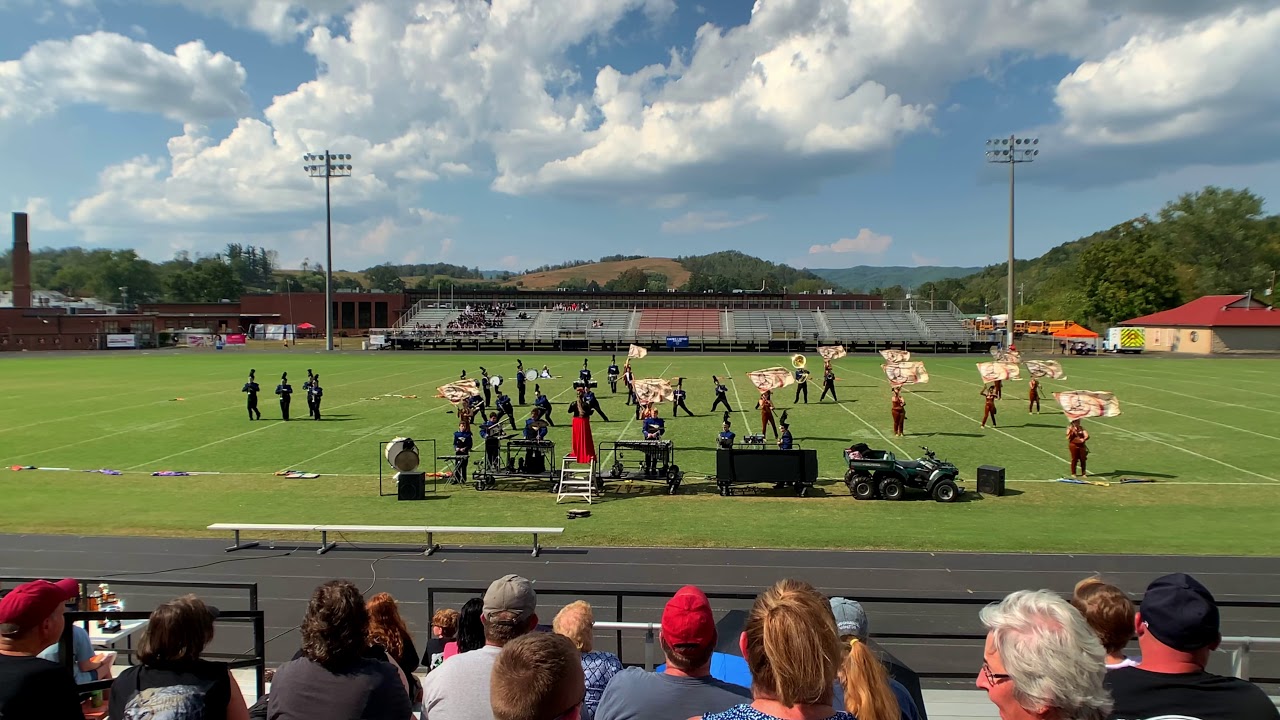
x=327, y=171
x=1011, y=150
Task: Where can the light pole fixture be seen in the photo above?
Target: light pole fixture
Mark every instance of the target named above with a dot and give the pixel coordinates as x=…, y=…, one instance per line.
x=327, y=165
x=1011, y=150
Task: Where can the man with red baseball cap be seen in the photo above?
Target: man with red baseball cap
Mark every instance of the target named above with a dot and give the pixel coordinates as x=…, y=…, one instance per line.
x=685, y=688
x=30, y=621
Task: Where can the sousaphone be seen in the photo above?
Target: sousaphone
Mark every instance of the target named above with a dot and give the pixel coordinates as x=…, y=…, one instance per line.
x=799, y=361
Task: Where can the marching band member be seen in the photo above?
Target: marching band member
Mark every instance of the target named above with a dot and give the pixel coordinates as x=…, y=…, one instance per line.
x=766, y=412
x=541, y=402
x=899, y=410
x=314, y=393
x=546, y=373
x=582, y=443
x=989, y=409
x=1077, y=436
x=306, y=393
x=505, y=408
x=999, y=388
x=828, y=382
x=613, y=375
x=628, y=378
x=484, y=385
x=594, y=403
x=252, y=388
x=462, y=452
x=285, y=391
x=721, y=396
x=785, y=442
x=677, y=399
x=653, y=428
x=585, y=373
x=1034, y=395
x=802, y=385
x=535, y=428
x=724, y=440
x=520, y=381
x=491, y=431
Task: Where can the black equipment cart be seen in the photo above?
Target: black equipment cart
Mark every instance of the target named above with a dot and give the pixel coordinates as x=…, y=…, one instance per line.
x=649, y=460
x=517, y=458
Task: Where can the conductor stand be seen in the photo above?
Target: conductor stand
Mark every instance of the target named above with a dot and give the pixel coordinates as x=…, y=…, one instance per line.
x=578, y=480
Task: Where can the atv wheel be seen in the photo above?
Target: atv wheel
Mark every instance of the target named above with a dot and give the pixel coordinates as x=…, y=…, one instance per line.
x=863, y=489
x=891, y=489
x=946, y=491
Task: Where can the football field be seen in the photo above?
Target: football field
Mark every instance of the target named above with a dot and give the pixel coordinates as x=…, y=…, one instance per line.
x=1204, y=431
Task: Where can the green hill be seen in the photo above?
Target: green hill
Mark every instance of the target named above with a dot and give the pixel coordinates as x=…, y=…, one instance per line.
x=867, y=277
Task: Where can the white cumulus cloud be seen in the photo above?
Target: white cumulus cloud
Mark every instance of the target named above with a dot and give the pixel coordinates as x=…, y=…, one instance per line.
x=700, y=222
x=865, y=242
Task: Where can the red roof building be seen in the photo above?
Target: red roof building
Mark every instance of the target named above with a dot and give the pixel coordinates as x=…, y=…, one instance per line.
x=1213, y=324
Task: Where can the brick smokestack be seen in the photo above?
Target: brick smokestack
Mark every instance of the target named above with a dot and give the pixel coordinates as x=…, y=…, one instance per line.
x=21, y=262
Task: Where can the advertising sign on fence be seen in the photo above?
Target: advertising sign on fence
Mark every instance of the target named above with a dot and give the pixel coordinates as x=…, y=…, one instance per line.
x=121, y=340
x=677, y=341
x=235, y=339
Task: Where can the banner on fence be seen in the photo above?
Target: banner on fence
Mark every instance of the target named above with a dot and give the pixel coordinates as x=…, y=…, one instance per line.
x=235, y=339
x=121, y=340
x=677, y=341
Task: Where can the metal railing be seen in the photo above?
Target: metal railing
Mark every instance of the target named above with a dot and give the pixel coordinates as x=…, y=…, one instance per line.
x=1243, y=645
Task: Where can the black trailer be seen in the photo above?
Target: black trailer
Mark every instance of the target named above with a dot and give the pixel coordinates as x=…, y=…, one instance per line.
x=517, y=458
x=646, y=460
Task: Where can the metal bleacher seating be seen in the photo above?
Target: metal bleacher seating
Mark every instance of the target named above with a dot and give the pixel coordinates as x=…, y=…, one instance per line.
x=873, y=326
x=763, y=325
x=429, y=316
x=945, y=327
x=693, y=322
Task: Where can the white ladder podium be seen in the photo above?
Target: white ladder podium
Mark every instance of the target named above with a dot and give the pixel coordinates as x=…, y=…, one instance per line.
x=577, y=480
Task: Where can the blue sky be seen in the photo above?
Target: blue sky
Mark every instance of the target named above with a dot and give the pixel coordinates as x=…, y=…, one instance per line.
x=823, y=133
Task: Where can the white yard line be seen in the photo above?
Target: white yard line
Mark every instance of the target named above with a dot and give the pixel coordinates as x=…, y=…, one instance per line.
x=1220, y=384
x=1197, y=397
x=874, y=428
x=736, y=396
x=1204, y=420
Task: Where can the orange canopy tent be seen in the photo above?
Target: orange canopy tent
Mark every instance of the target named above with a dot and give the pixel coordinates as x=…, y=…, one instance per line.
x=1077, y=332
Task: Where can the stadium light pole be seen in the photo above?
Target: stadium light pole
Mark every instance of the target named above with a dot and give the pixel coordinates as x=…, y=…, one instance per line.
x=334, y=165
x=1011, y=150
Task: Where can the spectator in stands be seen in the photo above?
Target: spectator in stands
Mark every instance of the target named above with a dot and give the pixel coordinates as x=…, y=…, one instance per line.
x=793, y=649
x=1178, y=627
x=172, y=680
x=1041, y=661
x=1110, y=614
x=90, y=665
x=865, y=688
x=31, y=619
x=685, y=687
x=576, y=622
x=334, y=676
x=444, y=630
x=538, y=676
x=459, y=688
x=388, y=631
x=470, y=629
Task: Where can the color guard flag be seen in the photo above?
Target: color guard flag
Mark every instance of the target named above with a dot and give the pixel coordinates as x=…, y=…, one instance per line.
x=895, y=356
x=653, y=390
x=456, y=392
x=637, y=352
x=1078, y=404
x=1011, y=356
x=771, y=378
x=905, y=373
x=992, y=371
x=832, y=352
x=1045, y=368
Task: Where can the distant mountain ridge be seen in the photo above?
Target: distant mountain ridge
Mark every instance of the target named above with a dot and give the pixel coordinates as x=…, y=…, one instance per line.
x=867, y=277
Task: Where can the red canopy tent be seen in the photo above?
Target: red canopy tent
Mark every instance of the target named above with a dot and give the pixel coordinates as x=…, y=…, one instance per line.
x=306, y=326
x=1075, y=332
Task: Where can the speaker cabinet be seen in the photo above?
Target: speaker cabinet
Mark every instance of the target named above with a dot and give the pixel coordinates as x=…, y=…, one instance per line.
x=990, y=480
x=411, y=486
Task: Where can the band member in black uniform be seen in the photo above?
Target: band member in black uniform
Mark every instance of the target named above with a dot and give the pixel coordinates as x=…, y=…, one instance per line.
x=802, y=385
x=613, y=375
x=629, y=379
x=828, y=382
x=314, y=393
x=285, y=391
x=484, y=386
x=463, y=376
x=520, y=381
x=506, y=408
x=677, y=399
x=306, y=393
x=785, y=442
x=541, y=402
x=252, y=388
x=462, y=451
x=721, y=397
x=653, y=429
x=594, y=403
x=724, y=440
x=585, y=373
x=491, y=431
x=534, y=461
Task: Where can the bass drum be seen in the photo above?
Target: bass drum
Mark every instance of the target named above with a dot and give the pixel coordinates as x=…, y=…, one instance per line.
x=402, y=454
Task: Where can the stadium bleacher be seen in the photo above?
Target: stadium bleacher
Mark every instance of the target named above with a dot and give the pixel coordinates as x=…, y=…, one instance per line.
x=693, y=322
x=873, y=326
x=944, y=326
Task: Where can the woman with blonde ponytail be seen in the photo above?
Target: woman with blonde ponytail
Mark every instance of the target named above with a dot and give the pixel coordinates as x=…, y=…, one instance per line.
x=794, y=655
x=866, y=690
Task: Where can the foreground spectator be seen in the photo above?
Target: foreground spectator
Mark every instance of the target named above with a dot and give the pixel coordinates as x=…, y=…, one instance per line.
x=685, y=687
x=537, y=676
x=793, y=649
x=90, y=665
x=865, y=688
x=1178, y=627
x=1110, y=614
x=333, y=678
x=31, y=619
x=172, y=680
x=444, y=630
x=1041, y=661
x=388, y=631
x=459, y=688
x=576, y=622
x=470, y=629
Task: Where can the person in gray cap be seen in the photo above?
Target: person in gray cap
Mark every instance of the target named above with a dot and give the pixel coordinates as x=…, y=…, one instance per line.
x=1178, y=627
x=863, y=686
x=459, y=688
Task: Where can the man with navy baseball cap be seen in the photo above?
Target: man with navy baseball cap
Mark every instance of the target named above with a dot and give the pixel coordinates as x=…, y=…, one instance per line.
x=1178, y=628
x=30, y=621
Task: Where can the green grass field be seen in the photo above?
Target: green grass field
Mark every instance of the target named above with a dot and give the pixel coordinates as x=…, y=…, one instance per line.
x=1204, y=430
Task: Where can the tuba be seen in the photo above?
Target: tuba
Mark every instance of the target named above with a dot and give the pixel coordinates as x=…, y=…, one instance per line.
x=798, y=361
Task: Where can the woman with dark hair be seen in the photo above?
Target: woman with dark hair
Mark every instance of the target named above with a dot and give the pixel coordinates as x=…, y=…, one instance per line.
x=172, y=680
x=470, y=629
x=388, y=631
x=333, y=677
